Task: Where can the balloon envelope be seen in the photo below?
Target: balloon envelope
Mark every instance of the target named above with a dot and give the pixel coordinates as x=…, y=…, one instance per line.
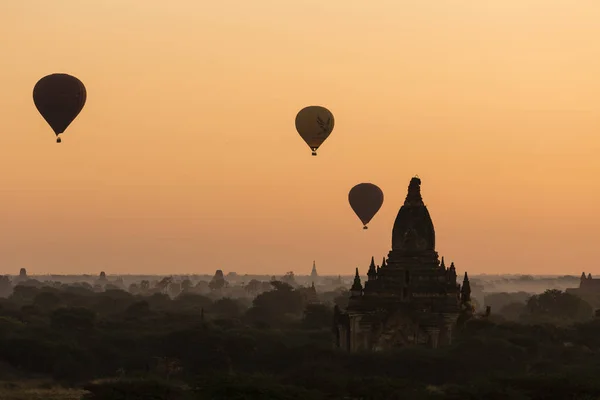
x=314, y=124
x=59, y=98
x=365, y=199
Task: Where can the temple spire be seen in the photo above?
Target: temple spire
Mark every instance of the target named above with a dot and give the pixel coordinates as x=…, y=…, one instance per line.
x=356, y=289
x=372, y=274
x=452, y=273
x=443, y=264
x=413, y=197
x=383, y=264
x=465, y=291
x=313, y=273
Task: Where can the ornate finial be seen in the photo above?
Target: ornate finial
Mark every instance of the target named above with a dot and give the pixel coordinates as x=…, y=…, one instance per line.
x=383, y=264
x=413, y=198
x=443, y=264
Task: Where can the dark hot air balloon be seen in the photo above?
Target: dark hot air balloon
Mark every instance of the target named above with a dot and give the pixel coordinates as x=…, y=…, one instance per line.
x=314, y=124
x=59, y=98
x=365, y=199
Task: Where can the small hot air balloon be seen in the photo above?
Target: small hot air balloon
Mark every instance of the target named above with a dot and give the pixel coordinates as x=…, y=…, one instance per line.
x=314, y=124
x=365, y=199
x=59, y=98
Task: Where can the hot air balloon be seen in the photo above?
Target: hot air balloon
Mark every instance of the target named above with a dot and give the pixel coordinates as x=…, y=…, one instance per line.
x=314, y=124
x=59, y=98
x=365, y=199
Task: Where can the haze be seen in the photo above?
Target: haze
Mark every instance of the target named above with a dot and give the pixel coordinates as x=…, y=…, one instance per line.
x=185, y=158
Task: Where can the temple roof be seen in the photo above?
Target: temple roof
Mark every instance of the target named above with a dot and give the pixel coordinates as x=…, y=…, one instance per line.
x=413, y=229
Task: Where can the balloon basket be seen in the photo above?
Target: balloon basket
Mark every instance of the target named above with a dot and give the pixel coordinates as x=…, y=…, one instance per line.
x=365, y=227
x=58, y=140
x=314, y=153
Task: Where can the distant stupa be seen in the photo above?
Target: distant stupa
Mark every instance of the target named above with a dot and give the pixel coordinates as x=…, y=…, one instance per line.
x=313, y=273
x=218, y=281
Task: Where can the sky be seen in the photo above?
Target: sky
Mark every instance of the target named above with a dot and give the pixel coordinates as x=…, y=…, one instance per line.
x=185, y=158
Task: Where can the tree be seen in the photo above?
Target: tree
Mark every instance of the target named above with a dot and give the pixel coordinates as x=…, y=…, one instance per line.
x=23, y=294
x=273, y=306
x=253, y=287
x=144, y=286
x=289, y=278
x=134, y=288
x=558, y=306
x=227, y=307
x=513, y=311
x=163, y=285
x=73, y=319
x=174, y=289
x=317, y=316
x=186, y=285
x=138, y=309
x=47, y=301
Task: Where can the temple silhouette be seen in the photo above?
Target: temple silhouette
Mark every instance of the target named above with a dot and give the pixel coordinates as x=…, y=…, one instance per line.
x=412, y=298
x=588, y=290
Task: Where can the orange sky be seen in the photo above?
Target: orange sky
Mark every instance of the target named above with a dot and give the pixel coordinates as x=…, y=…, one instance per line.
x=185, y=158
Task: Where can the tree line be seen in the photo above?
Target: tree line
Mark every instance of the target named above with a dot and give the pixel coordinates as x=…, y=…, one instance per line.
x=119, y=345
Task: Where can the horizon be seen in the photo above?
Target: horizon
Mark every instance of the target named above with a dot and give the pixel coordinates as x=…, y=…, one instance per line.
x=301, y=275
x=186, y=153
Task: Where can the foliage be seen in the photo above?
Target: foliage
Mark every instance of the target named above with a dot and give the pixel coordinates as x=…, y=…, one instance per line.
x=152, y=346
x=556, y=306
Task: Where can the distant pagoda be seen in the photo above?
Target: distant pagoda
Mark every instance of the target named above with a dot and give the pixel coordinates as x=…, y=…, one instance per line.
x=313, y=273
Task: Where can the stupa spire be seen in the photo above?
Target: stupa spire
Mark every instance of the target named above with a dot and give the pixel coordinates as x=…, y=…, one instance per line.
x=372, y=274
x=413, y=197
x=356, y=289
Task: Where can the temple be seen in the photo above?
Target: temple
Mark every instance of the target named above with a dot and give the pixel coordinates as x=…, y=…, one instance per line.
x=412, y=298
x=588, y=290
